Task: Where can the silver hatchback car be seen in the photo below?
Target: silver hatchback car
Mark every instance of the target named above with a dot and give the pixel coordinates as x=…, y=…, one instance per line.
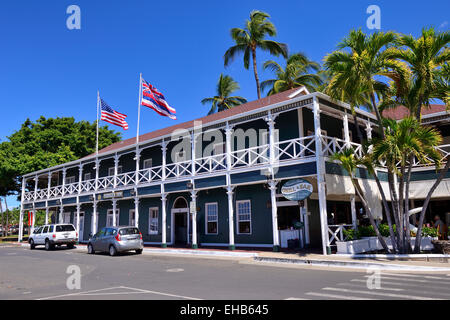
x=116, y=239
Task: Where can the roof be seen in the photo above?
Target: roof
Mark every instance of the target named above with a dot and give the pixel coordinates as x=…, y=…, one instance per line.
x=401, y=112
x=246, y=107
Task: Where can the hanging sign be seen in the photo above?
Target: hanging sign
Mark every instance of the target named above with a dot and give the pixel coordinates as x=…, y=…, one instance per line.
x=297, y=189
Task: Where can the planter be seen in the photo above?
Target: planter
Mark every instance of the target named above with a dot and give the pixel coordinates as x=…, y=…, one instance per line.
x=374, y=243
x=442, y=246
x=355, y=246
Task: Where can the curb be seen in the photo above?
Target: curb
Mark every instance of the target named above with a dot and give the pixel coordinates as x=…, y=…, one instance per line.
x=396, y=256
x=349, y=264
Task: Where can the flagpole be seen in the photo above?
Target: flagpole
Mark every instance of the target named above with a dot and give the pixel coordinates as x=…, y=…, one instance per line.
x=139, y=109
x=98, y=107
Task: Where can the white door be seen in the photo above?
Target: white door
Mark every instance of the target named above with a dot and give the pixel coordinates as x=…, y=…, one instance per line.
x=81, y=231
x=131, y=218
x=66, y=217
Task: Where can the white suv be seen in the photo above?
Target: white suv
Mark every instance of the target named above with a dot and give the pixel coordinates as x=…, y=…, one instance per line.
x=54, y=234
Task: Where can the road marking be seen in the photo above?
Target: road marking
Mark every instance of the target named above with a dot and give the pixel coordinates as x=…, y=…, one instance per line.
x=365, y=287
x=163, y=293
x=413, y=280
x=392, y=295
x=293, y=298
x=414, y=276
x=413, y=285
x=334, y=296
x=175, y=270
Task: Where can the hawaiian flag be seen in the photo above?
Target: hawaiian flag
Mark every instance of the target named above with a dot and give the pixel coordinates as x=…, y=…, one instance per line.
x=155, y=100
x=111, y=116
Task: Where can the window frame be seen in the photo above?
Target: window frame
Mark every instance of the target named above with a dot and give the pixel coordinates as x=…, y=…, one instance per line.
x=207, y=220
x=119, y=170
x=70, y=180
x=144, y=163
x=150, y=219
x=107, y=216
x=87, y=174
x=238, y=219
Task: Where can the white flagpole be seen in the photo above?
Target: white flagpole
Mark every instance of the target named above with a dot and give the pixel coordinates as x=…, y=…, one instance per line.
x=98, y=110
x=139, y=108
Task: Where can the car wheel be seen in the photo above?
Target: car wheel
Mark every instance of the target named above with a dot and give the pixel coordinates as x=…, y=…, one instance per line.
x=139, y=251
x=48, y=246
x=112, y=251
x=90, y=249
x=32, y=245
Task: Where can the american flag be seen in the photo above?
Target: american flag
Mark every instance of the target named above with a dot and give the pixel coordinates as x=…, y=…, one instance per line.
x=111, y=116
x=155, y=100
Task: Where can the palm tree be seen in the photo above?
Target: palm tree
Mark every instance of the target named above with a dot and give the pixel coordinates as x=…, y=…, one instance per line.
x=222, y=101
x=363, y=64
x=426, y=56
x=297, y=73
x=252, y=37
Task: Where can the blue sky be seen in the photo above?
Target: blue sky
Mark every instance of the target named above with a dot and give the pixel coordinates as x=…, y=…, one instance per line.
x=46, y=69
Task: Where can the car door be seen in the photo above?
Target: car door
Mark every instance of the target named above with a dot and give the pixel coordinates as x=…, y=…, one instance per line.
x=43, y=235
x=98, y=238
x=37, y=235
x=110, y=232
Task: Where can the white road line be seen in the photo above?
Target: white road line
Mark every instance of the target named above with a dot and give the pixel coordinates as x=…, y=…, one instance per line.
x=293, y=298
x=382, y=294
x=163, y=293
x=414, y=286
x=334, y=296
x=413, y=280
x=77, y=293
x=365, y=287
x=415, y=276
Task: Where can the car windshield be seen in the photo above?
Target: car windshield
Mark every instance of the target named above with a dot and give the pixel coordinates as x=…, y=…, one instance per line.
x=65, y=227
x=128, y=231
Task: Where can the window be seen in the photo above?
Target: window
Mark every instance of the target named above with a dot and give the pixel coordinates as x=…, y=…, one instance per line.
x=87, y=176
x=111, y=232
x=128, y=231
x=64, y=228
x=38, y=230
x=244, y=217
x=153, y=221
x=111, y=170
x=70, y=180
x=131, y=218
x=109, y=218
x=311, y=133
x=51, y=229
x=66, y=217
x=45, y=229
x=148, y=163
x=211, y=210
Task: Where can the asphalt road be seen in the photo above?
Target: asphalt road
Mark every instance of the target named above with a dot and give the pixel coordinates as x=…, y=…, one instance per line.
x=38, y=274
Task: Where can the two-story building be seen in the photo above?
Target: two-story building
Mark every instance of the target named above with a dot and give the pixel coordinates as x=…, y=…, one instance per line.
x=216, y=181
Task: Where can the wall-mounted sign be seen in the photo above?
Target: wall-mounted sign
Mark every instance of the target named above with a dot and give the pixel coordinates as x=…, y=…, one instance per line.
x=116, y=194
x=297, y=189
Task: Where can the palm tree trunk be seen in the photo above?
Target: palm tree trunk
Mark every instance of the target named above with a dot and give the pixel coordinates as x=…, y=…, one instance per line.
x=407, y=184
x=358, y=129
x=255, y=70
x=378, y=114
x=394, y=202
x=425, y=205
x=388, y=213
x=369, y=213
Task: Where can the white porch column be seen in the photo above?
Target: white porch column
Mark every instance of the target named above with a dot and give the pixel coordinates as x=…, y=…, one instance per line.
x=61, y=211
x=46, y=212
x=163, y=220
x=228, y=137
x=271, y=123
x=164, y=160
x=97, y=172
x=353, y=210
x=49, y=184
x=80, y=177
x=368, y=130
x=33, y=220
x=78, y=217
x=22, y=199
x=36, y=181
x=138, y=160
x=320, y=164
x=136, y=211
x=64, y=171
x=94, y=217
x=273, y=199
x=194, y=220
x=114, y=207
x=346, y=131
x=230, y=218
x=116, y=170
x=306, y=223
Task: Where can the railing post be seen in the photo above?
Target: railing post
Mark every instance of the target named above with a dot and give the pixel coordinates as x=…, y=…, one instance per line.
x=49, y=185
x=97, y=169
x=64, y=171
x=36, y=181
x=138, y=159
x=193, y=149
x=320, y=164
x=80, y=177
x=116, y=170
x=164, y=160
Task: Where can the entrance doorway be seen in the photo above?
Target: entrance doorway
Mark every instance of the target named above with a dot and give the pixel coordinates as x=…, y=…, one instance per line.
x=180, y=222
x=81, y=231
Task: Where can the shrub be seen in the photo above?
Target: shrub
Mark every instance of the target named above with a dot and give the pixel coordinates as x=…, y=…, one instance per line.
x=351, y=234
x=429, y=232
x=366, y=231
x=384, y=230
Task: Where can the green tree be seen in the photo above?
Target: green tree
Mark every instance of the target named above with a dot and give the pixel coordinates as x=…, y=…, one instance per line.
x=46, y=143
x=298, y=72
x=253, y=37
x=222, y=100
